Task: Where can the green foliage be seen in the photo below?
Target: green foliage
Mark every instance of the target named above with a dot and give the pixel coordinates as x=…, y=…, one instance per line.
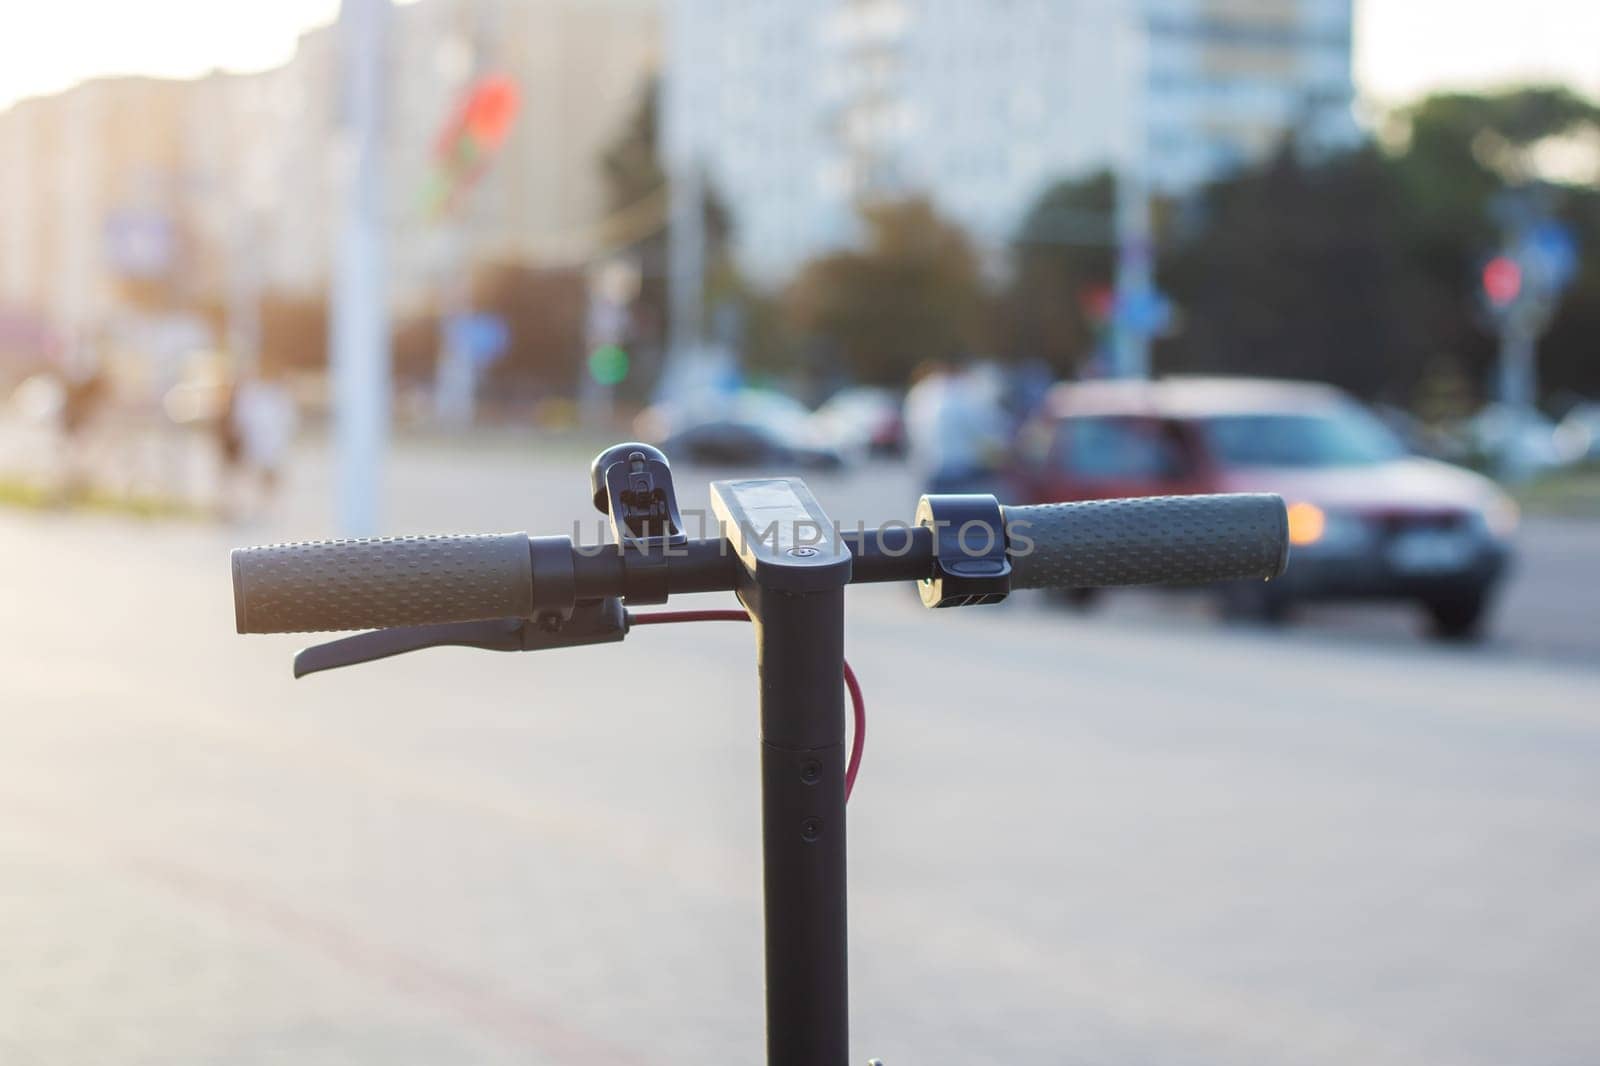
x=636, y=181
x=912, y=294
x=1296, y=273
x=1062, y=252
x=1363, y=269
x=629, y=165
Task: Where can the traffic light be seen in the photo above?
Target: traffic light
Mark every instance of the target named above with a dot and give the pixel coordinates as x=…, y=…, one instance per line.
x=471, y=137
x=1502, y=281
x=608, y=364
x=489, y=112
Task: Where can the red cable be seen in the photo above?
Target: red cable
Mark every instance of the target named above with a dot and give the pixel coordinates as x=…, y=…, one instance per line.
x=858, y=704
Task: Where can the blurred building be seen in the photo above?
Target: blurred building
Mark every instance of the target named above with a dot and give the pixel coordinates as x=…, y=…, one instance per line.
x=796, y=111
x=90, y=181
x=162, y=194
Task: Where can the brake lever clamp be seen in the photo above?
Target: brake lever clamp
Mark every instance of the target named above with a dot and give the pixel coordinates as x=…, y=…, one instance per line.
x=592, y=622
x=632, y=485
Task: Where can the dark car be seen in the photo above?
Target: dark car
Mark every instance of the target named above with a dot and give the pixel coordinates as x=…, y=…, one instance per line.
x=1367, y=519
x=737, y=443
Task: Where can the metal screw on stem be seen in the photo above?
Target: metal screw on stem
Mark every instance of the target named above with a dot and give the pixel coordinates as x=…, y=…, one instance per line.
x=803, y=552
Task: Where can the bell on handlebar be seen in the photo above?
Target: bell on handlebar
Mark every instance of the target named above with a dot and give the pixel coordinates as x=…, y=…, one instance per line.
x=970, y=567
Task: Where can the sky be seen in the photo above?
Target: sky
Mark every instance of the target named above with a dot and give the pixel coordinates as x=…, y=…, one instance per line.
x=1403, y=47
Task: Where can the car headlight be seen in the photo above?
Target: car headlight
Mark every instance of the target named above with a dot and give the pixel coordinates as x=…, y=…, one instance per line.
x=1307, y=524
x=1312, y=527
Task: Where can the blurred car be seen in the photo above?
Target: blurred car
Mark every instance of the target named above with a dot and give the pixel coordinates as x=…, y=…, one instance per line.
x=862, y=420
x=1367, y=519
x=729, y=442
x=1516, y=442
x=747, y=427
x=757, y=406
x=1578, y=434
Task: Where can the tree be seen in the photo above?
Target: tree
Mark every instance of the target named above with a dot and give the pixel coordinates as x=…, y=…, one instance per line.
x=1062, y=256
x=1456, y=153
x=914, y=293
x=638, y=191
x=1363, y=268
x=1295, y=272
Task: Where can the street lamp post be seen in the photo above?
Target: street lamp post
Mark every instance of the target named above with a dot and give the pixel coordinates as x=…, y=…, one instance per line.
x=360, y=329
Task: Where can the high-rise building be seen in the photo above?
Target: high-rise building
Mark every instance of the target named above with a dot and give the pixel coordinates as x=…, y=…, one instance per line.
x=796, y=112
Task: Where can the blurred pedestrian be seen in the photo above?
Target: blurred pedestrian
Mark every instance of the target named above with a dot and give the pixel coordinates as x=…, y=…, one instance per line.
x=955, y=428
x=256, y=427
x=84, y=392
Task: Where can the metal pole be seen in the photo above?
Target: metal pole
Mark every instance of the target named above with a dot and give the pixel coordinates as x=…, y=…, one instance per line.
x=1134, y=282
x=455, y=392
x=360, y=327
x=1517, y=369
x=686, y=263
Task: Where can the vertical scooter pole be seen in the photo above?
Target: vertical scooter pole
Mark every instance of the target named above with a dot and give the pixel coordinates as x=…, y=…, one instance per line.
x=794, y=573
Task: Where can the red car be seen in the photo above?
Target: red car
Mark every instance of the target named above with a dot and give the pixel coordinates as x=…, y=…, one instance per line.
x=1367, y=519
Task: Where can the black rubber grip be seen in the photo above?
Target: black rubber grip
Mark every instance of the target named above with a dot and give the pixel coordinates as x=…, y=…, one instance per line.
x=1154, y=540
x=371, y=584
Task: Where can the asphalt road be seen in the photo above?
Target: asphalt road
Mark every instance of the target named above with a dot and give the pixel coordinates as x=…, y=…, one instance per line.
x=1130, y=837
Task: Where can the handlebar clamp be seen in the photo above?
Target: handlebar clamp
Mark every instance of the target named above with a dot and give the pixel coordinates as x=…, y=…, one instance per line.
x=632, y=486
x=970, y=566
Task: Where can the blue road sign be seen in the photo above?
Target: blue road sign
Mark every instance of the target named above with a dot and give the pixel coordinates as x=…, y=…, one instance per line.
x=482, y=338
x=1552, y=252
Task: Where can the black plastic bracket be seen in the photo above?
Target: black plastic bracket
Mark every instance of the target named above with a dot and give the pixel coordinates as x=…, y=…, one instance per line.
x=632, y=485
x=555, y=588
x=591, y=622
x=970, y=566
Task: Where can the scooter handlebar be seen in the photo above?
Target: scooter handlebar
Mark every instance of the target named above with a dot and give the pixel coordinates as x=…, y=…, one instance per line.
x=407, y=581
x=1155, y=540
x=314, y=586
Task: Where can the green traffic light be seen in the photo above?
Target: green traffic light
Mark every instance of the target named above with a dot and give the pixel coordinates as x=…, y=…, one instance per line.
x=608, y=364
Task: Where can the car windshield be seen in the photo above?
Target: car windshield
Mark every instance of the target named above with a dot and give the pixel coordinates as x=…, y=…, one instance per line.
x=1345, y=438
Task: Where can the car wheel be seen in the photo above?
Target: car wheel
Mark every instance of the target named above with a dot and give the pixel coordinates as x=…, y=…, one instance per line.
x=1254, y=603
x=1459, y=617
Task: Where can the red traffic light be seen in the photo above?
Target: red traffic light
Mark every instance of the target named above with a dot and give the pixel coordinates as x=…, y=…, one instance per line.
x=1502, y=280
x=490, y=110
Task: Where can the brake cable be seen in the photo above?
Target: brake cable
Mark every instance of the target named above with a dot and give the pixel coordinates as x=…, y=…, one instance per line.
x=858, y=704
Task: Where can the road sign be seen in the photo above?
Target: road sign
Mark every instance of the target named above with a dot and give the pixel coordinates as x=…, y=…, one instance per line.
x=480, y=338
x=1550, y=254
x=140, y=244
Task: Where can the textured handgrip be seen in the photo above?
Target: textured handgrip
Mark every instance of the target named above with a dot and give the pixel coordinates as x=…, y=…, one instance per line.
x=371, y=584
x=1156, y=540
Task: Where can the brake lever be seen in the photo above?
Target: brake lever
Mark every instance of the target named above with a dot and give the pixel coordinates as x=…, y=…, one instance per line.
x=592, y=622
